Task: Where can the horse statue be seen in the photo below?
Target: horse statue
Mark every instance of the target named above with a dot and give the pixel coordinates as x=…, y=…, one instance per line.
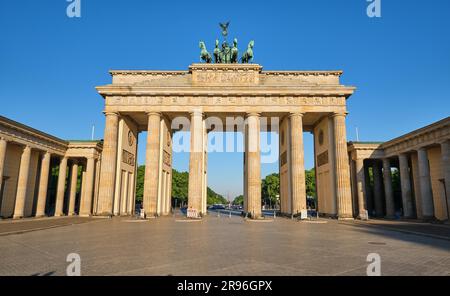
x=217, y=58
x=234, y=52
x=247, y=57
x=204, y=54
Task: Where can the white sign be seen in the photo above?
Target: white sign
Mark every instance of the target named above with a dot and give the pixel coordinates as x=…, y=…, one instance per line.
x=304, y=214
x=192, y=213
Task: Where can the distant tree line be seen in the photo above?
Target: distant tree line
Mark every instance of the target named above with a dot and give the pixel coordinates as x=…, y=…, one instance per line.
x=180, y=183
x=270, y=188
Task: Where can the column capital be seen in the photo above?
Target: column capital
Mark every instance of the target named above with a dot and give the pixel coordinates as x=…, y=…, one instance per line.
x=196, y=113
x=423, y=148
x=154, y=113
x=3, y=139
x=251, y=114
x=339, y=114
x=27, y=148
x=445, y=142
x=292, y=114
x=109, y=113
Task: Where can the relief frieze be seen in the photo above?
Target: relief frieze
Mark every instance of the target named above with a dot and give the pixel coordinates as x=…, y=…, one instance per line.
x=224, y=101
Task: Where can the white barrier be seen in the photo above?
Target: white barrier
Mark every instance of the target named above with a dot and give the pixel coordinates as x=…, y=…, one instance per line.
x=192, y=214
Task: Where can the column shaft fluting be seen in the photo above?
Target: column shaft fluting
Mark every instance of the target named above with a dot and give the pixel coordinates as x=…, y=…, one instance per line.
x=254, y=166
x=108, y=166
x=73, y=188
x=152, y=168
x=405, y=180
x=43, y=185
x=24, y=172
x=445, y=152
x=361, y=187
x=61, y=188
x=378, y=189
x=388, y=193
x=425, y=184
x=297, y=165
x=3, y=145
x=195, y=190
x=342, y=169
x=86, y=201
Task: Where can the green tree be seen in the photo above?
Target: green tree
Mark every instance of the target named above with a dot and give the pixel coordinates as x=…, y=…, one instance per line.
x=214, y=198
x=239, y=200
x=310, y=178
x=270, y=188
x=180, y=185
x=140, y=183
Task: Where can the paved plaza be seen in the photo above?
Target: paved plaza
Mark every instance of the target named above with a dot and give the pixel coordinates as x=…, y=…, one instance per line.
x=222, y=246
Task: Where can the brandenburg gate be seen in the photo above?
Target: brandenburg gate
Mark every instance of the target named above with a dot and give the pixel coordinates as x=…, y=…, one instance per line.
x=303, y=101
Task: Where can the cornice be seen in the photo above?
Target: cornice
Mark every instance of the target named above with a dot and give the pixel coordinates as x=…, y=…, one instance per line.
x=250, y=91
x=147, y=73
x=28, y=131
x=302, y=73
x=442, y=125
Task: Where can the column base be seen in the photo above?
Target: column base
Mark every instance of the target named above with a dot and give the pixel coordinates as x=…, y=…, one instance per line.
x=346, y=218
x=17, y=217
x=85, y=215
x=256, y=217
x=428, y=219
x=40, y=216
x=104, y=214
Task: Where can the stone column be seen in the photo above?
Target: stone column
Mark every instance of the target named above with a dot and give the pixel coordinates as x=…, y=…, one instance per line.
x=86, y=201
x=152, y=168
x=24, y=171
x=43, y=185
x=445, y=153
x=342, y=169
x=60, y=191
x=3, y=145
x=195, y=189
x=297, y=163
x=108, y=166
x=388, y=193
x=254, y=165
x=405, y=181
x=425, y=184
x=378, y=189
x=369, y=190
x=73, y=188
x=361, y=187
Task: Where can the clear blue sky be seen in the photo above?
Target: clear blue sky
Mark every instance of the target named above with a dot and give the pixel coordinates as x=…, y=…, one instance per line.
x=400, y=63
